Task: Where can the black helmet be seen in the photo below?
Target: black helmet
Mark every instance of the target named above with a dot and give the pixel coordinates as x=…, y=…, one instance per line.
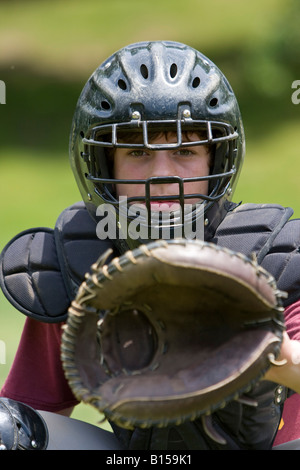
x=155, y=86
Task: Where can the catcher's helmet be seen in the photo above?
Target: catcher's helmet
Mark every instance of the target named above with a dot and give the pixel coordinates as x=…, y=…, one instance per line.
x=155, y=86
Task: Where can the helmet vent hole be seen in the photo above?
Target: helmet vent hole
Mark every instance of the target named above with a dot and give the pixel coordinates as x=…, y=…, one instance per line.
x=105, y=105
x=122, y=84
x=173, y=70
x=144, y=71
x=196, y=82
x=213, y=102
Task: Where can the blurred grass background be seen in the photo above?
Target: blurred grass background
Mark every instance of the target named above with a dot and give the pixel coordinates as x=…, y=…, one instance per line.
x=48, y=49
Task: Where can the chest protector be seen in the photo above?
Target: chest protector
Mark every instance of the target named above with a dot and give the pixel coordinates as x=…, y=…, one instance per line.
x=41, y=270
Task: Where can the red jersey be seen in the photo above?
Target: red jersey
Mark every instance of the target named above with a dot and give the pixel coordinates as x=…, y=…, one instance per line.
x=289, y=428
x=36, y=376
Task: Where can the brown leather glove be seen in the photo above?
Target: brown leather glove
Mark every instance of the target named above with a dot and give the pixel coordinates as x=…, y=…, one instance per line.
x=171, y=331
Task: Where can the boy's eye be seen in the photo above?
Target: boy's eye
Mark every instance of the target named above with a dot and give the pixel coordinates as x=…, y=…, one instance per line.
x=184, y=152
x=137, y=153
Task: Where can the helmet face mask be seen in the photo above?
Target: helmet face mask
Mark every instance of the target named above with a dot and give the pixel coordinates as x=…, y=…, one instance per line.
x=145, y=90
x=140, y=135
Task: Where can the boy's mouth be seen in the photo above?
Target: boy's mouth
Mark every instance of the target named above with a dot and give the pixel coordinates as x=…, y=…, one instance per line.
x=165, y=205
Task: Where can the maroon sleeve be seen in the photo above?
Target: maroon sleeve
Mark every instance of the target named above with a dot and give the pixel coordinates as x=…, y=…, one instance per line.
x=292, y=320
x=289, y=429
x=36, y=376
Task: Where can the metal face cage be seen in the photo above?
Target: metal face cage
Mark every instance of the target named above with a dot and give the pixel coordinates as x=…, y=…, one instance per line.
x=218, y=135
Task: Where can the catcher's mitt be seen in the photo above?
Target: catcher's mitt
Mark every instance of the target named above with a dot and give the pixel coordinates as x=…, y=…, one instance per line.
x=171, y=331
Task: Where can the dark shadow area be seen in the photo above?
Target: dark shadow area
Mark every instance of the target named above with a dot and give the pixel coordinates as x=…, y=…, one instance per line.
x=38, y=110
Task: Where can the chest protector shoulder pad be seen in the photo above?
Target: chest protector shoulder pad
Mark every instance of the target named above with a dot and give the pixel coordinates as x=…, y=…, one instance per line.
x=266, y=232
x=41, y=269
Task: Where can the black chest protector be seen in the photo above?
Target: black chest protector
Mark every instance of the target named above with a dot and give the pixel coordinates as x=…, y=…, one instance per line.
x=41, y=270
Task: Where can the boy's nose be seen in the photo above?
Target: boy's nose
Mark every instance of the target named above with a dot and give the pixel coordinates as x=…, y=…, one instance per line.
x=162, y=164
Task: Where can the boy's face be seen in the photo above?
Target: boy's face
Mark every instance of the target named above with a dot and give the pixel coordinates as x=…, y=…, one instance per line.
x=142, y=164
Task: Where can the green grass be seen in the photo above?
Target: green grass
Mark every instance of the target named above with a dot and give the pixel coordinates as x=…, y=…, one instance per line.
x=271, y=170
x=35, y=188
